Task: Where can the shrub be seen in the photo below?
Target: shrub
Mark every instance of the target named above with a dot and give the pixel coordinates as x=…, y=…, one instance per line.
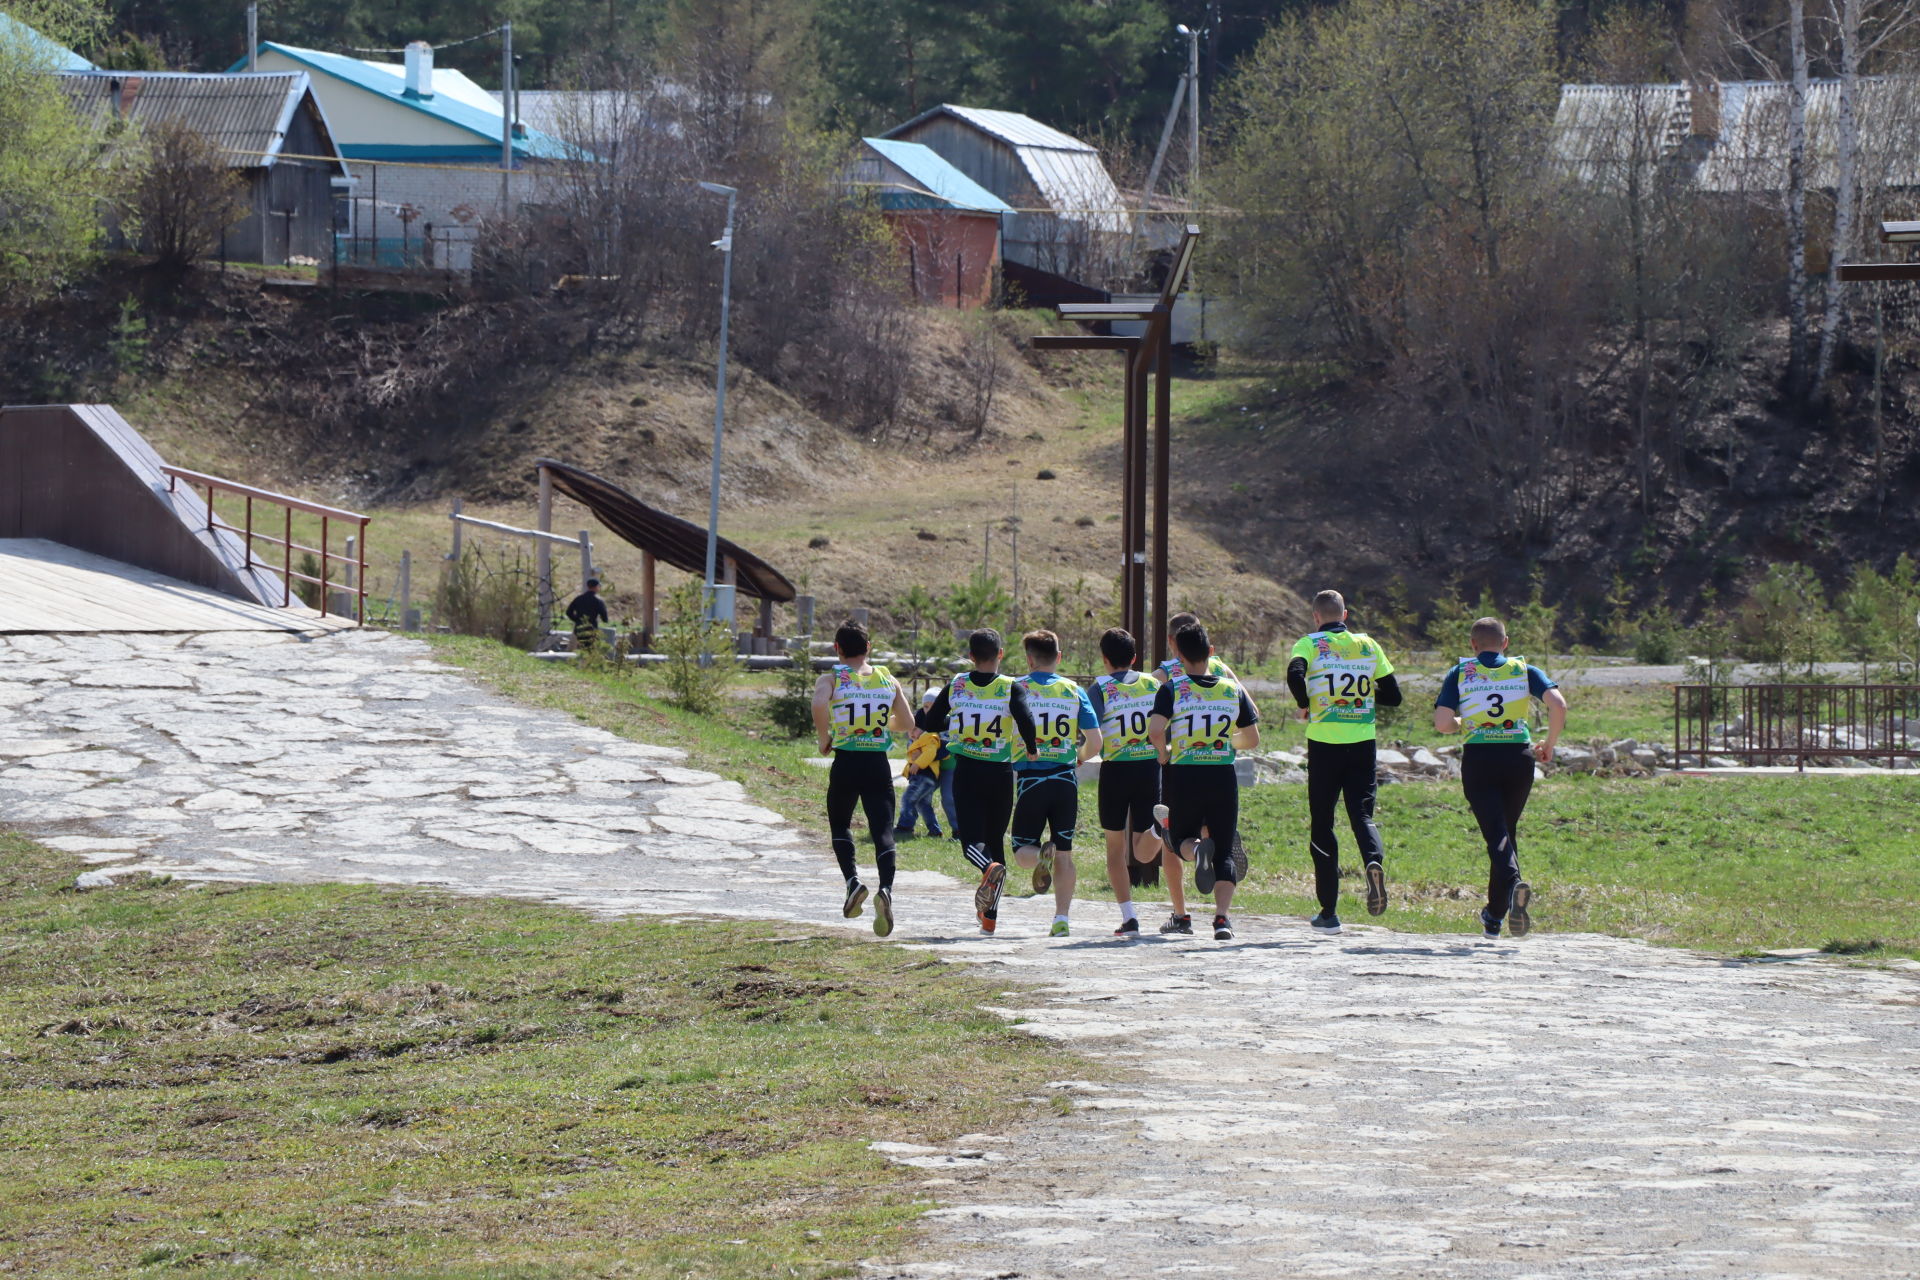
x=700, y=663
x=497, y=599
x=790, y=711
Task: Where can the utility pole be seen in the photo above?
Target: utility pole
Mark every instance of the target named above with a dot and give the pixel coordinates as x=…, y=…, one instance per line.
x=1193, y=110
x=725, y=245
x=253, y=37
x=506, y=119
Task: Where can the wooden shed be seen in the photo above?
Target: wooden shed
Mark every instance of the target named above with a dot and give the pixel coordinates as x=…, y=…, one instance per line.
x=271, y=127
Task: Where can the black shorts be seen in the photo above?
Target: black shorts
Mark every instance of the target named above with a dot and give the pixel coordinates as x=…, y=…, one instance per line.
x=1042, y=802
x=1128, y=791
x=1203, y=795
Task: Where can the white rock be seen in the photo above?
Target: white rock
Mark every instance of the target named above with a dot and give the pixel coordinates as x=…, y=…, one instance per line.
x=1388, y=758
x=221, y=799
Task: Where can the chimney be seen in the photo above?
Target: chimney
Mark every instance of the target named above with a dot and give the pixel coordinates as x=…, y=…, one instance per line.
x=419, y=69
x=1703, y=103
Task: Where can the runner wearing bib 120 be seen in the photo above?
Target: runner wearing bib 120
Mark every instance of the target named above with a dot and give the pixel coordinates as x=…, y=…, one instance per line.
x=1198, y=720
x=1047, y=781
x=1492, y=697
x=857, y=708
x=1337, y=677
x=982, y=712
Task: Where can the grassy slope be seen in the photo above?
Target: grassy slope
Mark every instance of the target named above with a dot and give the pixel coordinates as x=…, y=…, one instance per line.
x=279, y=1080
x=1725, y=864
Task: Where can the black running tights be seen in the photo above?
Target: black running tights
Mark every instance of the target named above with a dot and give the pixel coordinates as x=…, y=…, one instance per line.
x=1336, y=770
x=864, y=778
x=1497, y=778
x=982, y=807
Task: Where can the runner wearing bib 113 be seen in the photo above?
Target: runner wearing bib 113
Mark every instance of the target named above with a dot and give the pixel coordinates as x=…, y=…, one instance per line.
x=1492, y=697
x=1337, y=677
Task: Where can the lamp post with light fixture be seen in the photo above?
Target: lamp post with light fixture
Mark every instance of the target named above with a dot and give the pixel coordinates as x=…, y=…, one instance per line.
x=725, y=245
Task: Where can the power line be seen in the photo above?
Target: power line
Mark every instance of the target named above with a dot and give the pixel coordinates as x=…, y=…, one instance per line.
x=451, y=44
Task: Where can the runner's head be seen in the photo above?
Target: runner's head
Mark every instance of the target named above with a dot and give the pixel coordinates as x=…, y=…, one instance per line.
x=1043, y=650
x=1178, y=623
x=1329, y=607
x=593, y=585
x=1489, y=636
x=984, y=647
x=1118, y=650
x=1194, y=648
x=850, y=641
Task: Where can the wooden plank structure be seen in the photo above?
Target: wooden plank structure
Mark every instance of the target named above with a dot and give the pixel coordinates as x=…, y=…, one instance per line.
x=1149, y=352
x=47, y=587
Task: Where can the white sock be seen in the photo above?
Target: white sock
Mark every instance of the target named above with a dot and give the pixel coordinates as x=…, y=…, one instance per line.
x=1127, y=912
x=1060, y=919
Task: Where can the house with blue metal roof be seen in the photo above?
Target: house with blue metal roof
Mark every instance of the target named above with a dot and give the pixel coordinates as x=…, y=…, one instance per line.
x=946, y=225
x=427, y=145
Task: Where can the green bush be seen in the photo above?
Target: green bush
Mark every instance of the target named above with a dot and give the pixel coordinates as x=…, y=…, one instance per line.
x=790, y=711
x=701, y=662
x=496, y=599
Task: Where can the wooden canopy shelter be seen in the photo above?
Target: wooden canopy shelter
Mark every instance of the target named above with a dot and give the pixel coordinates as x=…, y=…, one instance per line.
x=660, y=536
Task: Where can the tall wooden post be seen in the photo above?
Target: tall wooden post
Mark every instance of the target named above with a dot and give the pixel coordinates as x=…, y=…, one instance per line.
x=543, y=552
x=1129, y=481
x=648, y=578
x=1162, y=462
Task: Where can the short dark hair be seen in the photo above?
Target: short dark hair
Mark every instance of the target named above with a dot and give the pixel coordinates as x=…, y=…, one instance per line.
x=1180, y=622
x=1329, y=605
x=851, y=638
x=984, y=645
x=1117, y=647
x=1043, y=645
x=1488, y=632
x=593, y=582
x=1191, y=640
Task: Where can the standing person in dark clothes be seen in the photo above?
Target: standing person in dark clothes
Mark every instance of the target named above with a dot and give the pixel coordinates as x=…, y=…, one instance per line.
x=1198, y=719
x=587, y=613
x=1491, y=697
x=857, y=708
x=1336, y=676
x=980, y=712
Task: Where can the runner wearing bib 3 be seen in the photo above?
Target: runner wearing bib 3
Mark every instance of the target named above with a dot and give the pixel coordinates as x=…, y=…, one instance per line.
x=1337, y=677
x=1492, y=697
x=981, y=712
x=856, y=708
x=1198, y=721
x=1047, y=781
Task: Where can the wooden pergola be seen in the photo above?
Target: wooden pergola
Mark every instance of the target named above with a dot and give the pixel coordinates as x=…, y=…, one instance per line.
x=1150, y=352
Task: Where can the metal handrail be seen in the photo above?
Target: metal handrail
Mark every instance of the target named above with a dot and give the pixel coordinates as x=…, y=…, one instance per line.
x=289, y=504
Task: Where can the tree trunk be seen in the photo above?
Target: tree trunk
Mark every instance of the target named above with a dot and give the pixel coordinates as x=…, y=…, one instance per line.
x=1797, y=331
x=1845, y=194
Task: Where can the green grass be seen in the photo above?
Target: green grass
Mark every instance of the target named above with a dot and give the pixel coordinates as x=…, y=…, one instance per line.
x=1728, y=864
x=290, y=1080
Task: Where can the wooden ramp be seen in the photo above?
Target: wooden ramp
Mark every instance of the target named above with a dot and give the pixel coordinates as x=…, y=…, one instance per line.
x=49, y=587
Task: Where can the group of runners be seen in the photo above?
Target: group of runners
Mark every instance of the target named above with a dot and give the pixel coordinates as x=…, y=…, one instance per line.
x=1167, y=739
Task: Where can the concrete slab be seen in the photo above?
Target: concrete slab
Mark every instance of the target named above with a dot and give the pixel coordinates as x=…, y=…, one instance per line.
x=48, y=588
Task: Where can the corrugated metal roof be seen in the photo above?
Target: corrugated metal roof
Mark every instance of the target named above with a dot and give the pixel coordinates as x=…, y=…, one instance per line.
x=1010, y=127
x=925, y=167
x=63, y=58
x=1736, y=139
x=456, y=99
x=1066, y=171
x=245, y=115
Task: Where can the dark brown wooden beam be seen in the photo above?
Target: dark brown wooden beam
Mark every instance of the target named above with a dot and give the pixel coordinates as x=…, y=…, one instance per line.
x=1084, y=342
x=1880, y=271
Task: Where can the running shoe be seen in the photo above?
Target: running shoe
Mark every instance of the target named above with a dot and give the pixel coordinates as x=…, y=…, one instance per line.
x=1489, y=923
x=1325, y=922
x=986, y=899
x=1160, y=824
x=1043, y=869
x=1222, y=929
x=1128, y=929
x=1178, y=924
x=883, y=912
x=1518, y=921
x=1236, y=864
x=1203, y=876
x=1059, y=929
x=1376, y=889
x=856, y=899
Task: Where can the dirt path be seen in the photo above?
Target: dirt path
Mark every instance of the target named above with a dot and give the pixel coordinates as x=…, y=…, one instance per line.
x=1376, y=1105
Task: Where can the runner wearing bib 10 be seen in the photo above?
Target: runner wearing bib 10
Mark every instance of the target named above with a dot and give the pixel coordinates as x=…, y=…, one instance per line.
x=1123, y=699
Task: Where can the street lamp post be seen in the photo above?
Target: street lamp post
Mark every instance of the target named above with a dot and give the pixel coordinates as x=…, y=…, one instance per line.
x=1193, y=104
x=725, y=245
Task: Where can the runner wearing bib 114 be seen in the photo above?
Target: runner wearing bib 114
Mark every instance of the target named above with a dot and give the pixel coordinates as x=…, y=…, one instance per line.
x=1492, y=697
x=1337, y=677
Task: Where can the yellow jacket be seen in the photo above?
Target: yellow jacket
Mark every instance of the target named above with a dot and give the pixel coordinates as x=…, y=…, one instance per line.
x=923, y=753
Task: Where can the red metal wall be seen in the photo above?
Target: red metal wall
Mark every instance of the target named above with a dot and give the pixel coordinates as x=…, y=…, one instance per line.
x=950, y=257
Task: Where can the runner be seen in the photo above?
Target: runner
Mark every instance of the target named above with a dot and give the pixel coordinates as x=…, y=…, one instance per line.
x=1491, y=696
x=1198, y=719
x=855, y=708
x=985, y=709
x=1047, y=781
x=1336, y=677
x=1130, y=784
x=1147, y=873
x=1170, y=666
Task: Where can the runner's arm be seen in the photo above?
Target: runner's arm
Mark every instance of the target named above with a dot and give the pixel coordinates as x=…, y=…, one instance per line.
x=1023, y=721
x=1157, y=722
x=1387, y=691
x=1297, y=682
x=902, y=716
x=1446, y=707
x=1556, y=721
x=822, y=699
x=1090, y=745
x=1246, y=733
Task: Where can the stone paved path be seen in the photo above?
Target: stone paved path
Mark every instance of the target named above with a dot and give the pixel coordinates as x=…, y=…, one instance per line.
x=1376, y=1105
